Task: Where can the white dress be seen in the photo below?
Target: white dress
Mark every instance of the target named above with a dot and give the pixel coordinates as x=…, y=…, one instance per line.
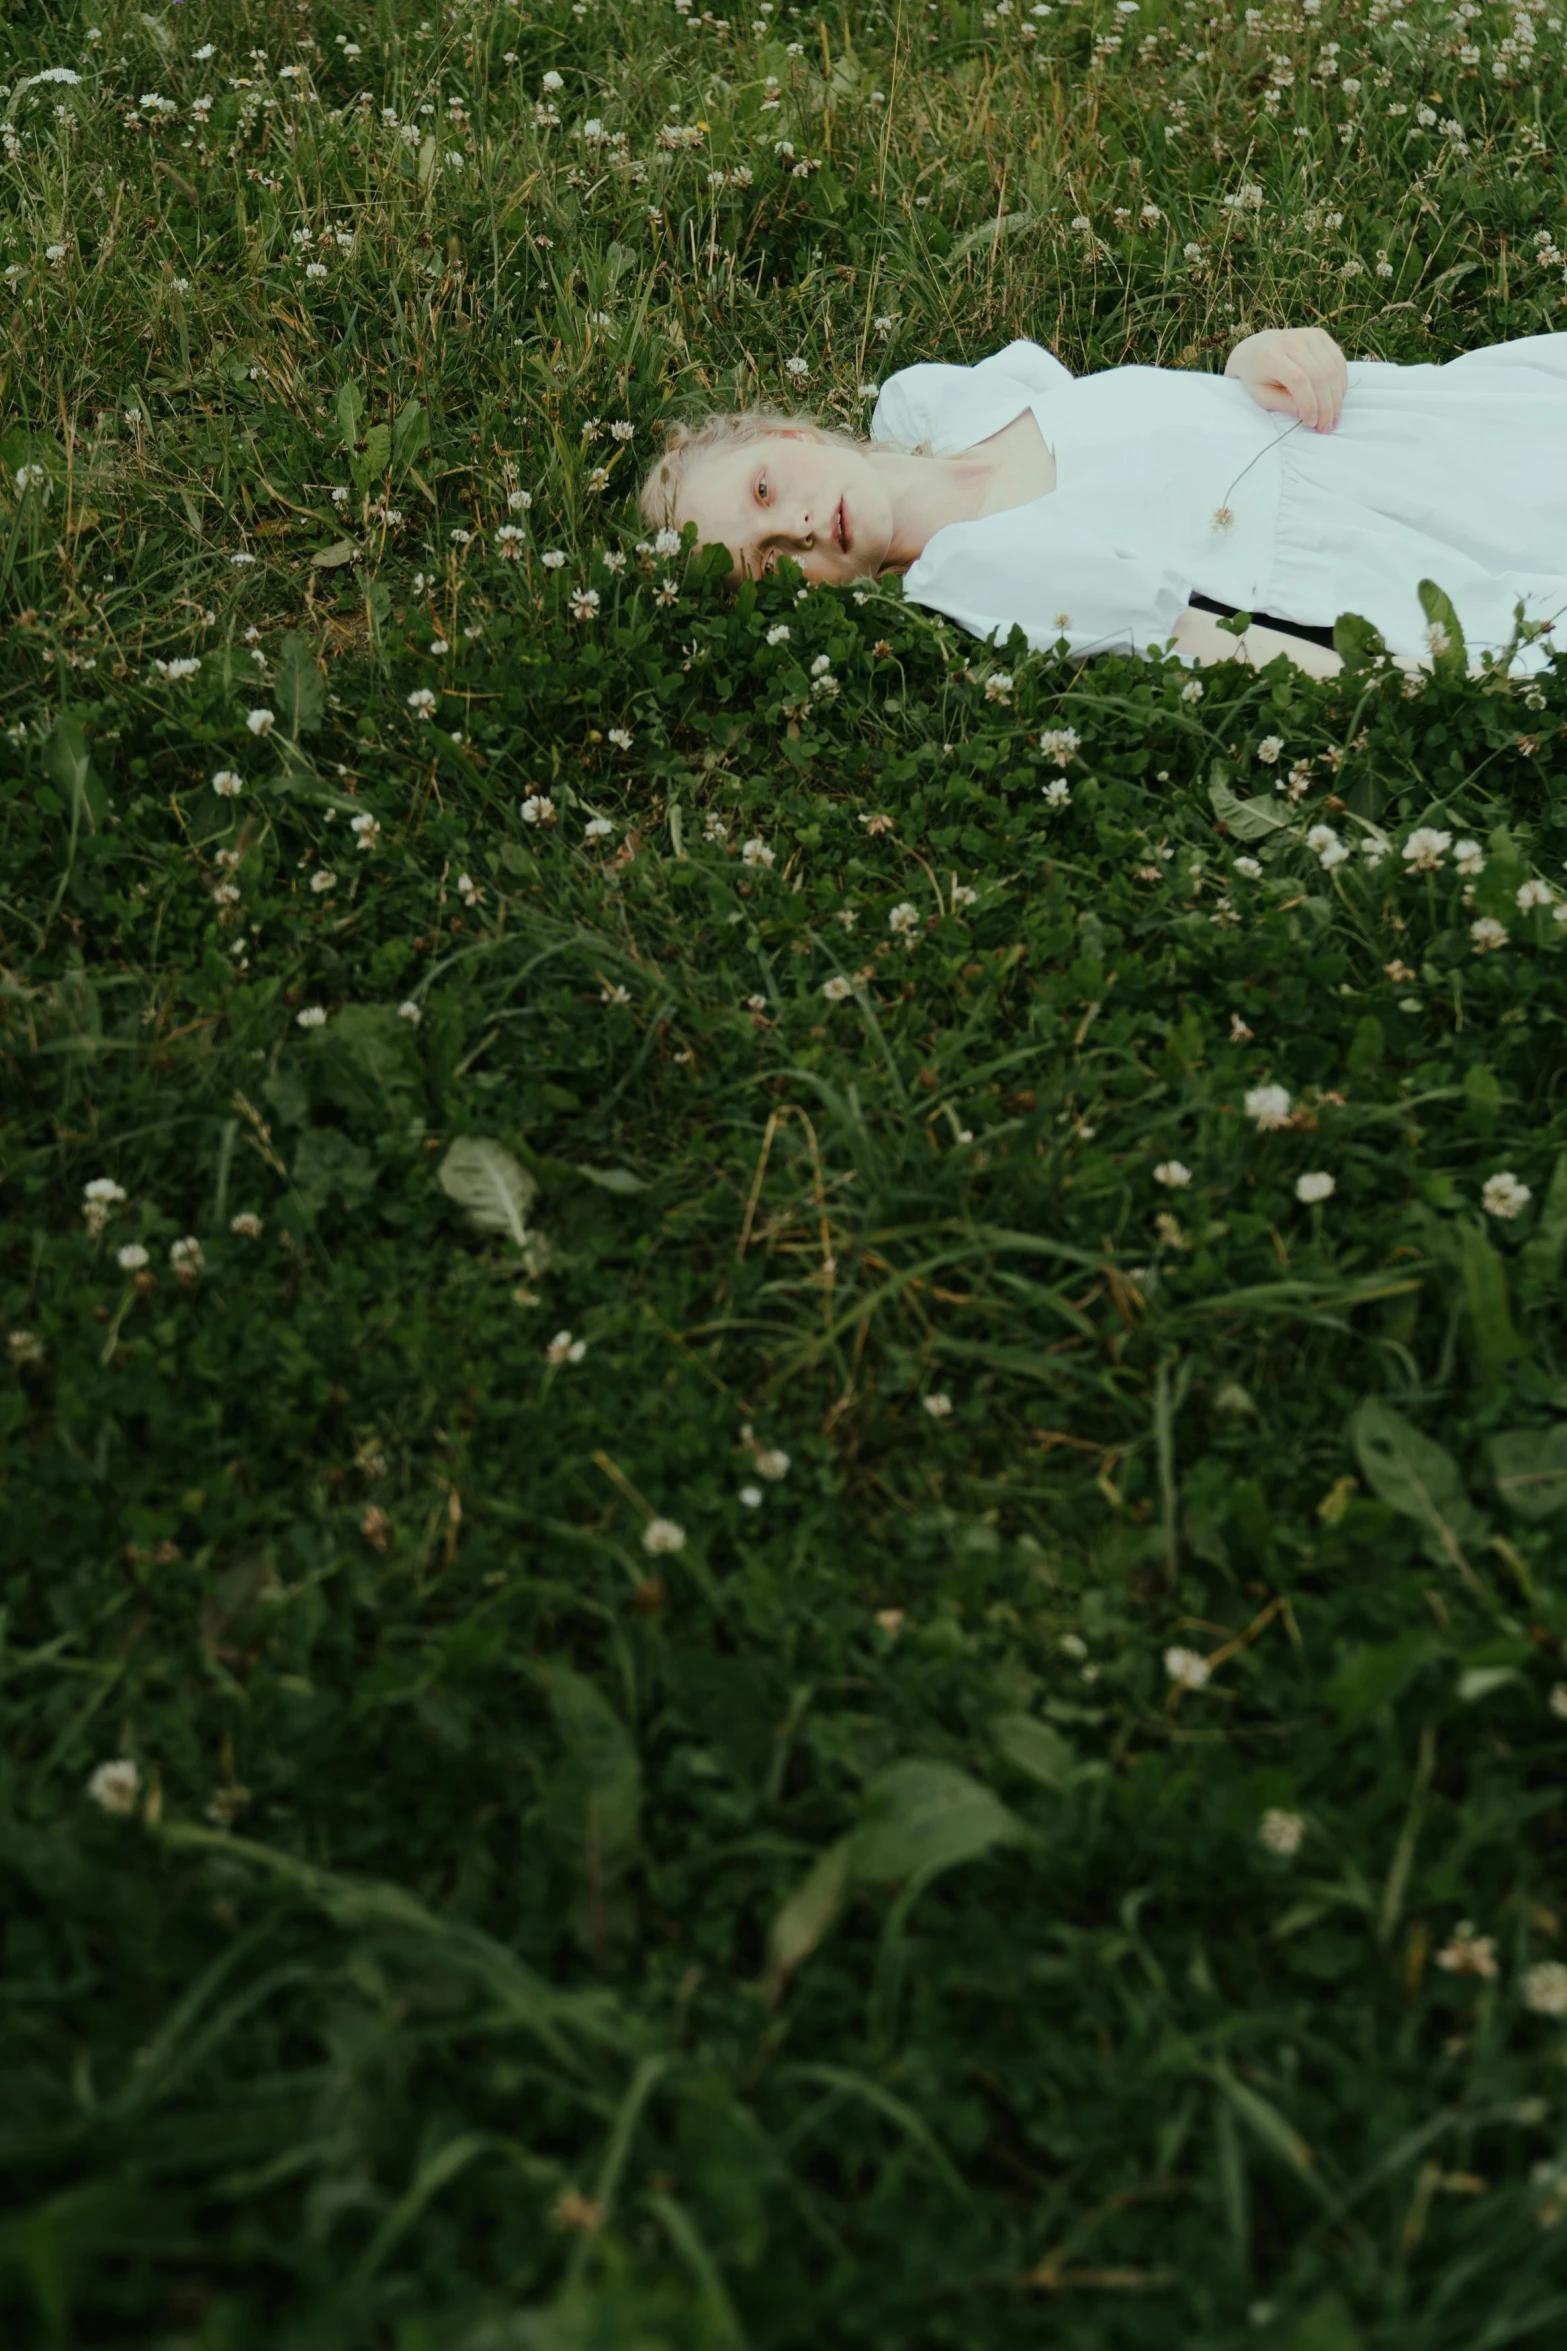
x=1453, y=472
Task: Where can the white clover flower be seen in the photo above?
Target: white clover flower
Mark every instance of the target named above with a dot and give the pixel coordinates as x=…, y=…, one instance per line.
x=366, y=830
x=1313, y=1187
x=1488, y=935
x=103, y=1189
x=312, y=1016
x=1558, y=1701
x=1325, y=844
x=115, y=1786
x=1058, y=794
x=509, y=541
x=410, y=1012
x=468, y=889
x=1425, y=848
x=1504, y=1196
x=247, y=1224
x=1186, y=1669
x=1281, y=1832
x=614, y=995
x=837, y=989
x=797, y=368
x=519, y=500
x=538, y=808
x=1533, y=893
x=131, y=1258
x=553, y=81
x=1269, y=748
x=1249, y=867
x=1172, y=1175
x=1269, y=1106
x=904, y=920
x=998, y=686
x=261, y=722
x=757, y=852
x=622, y=738
x=323, y=880
x=772, y=1463
x=663, y=1534
x=938, y=1404
x=1468, y=1953
x=597, y=828
x=240, y=560
x=1469, y=858
x=715, y=829
x=1060, y=744
x=1373, y=851
x=666, y=542
x=563, y=1348
x=1545, y=1988
x=552, y=559
x=184, y=666
x=778, y=634
x=186, y=1257
x=821, y=665
x=227, y=784
x=584, y=604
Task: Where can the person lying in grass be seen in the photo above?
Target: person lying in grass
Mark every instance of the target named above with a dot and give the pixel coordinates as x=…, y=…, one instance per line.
x=1131, y=508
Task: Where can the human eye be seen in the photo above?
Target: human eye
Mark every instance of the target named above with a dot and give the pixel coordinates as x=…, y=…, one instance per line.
x=761, y=487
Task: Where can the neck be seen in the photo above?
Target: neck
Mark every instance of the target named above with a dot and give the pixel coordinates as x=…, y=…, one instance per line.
x=926, y=494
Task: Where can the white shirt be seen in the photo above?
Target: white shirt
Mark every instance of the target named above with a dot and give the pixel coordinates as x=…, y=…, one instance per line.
x=1172, y=482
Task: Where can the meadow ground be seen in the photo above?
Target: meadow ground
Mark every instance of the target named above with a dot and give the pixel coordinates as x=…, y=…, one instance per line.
x=784, y=1422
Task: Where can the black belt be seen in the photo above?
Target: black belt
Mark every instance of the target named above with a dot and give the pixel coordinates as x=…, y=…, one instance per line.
x=1265, y=620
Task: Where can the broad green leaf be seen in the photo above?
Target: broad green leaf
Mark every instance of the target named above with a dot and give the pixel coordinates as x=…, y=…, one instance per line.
x=377, y=451
x=1530, y=1469
x=1355, y=641
x=596, y=1799
x=298, y=691
x=69, y=762
x=1377, y=1673
x=349, y=410
x=1366, y=1046
x=410, y=433
x=496, y=1189
x=925, y=1816
x=1035, y=1748
x=1415, y=1477
x=1540, y=1260
x=1453, y=659
x=1248, y=820
x=1494, y=1339
x=332, y=558
x=611, y=1179
x=808, y=1913
x=1482, y=1097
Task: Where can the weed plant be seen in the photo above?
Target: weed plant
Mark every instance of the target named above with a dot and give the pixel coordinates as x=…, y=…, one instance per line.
x=786, y=1416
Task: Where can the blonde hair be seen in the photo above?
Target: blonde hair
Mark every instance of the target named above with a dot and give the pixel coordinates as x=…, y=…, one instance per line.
x=723, y=428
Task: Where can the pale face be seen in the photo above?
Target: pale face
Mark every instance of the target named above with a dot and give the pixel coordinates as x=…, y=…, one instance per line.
x=791, y=493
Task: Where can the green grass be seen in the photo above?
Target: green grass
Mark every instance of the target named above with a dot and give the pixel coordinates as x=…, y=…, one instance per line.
x=837, y=1928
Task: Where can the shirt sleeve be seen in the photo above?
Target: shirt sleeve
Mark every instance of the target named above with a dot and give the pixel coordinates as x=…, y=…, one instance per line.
x=1054, y=574
x=915, y=404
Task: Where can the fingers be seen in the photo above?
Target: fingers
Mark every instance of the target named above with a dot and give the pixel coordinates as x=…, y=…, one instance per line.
x=1317, y=392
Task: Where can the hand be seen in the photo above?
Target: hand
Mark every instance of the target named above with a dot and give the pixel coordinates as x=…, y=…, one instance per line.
x=1299, y=371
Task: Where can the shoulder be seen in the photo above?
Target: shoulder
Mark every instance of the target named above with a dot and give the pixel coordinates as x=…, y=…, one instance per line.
x=913, y=402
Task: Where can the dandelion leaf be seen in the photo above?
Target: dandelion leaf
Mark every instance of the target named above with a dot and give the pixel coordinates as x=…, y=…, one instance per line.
x=298, y=693
x=1438, y=608
x=1530, y=1469
x=1540, y=1264
x=921, y=1817
x=496, y=1190
x=1493, y=1339
x=1414, y=1477
x=1247, y=820
x=808, y=1914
